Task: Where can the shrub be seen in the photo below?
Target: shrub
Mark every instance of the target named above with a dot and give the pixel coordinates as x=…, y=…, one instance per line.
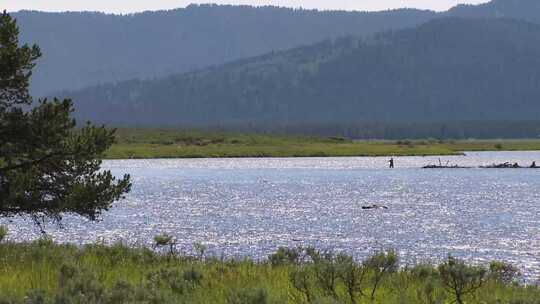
x=525, y=301
x=404, y=143
x=193, y=276
x=164, y=240
x=460, y=279
x=44, y=241
x=78, y=286
x=301, y=280
x=380, y=265
x=285, y=256
x=122, y=292
x=9, y=300
x=200, y=249
x=503, y=272
x=3, y=233
x=248, y=296
x=424, y=271
x=326, y=273
x=175, y=280
x=352, y=275
x=428, y=294
x=36, y=297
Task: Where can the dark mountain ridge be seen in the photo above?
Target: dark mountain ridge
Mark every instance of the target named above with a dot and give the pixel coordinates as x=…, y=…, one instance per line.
x=447, y=70
x=87, y=48
x=513, y=9
x=84, y=49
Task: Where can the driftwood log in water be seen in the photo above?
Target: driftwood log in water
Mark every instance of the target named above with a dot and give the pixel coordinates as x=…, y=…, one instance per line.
x=444, y=167
x=507, y=165
x=374, y=207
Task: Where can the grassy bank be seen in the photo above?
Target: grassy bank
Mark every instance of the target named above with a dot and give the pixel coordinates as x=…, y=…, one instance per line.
x=147, y=143
x=43, y=272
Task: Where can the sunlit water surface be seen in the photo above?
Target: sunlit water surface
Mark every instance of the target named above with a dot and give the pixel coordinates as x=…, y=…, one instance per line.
x=249, y=207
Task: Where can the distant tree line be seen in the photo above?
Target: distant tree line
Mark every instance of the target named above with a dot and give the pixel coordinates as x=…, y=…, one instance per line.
x=449, y=130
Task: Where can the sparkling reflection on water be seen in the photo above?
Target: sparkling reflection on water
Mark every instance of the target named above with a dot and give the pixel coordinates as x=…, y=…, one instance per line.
x=249, y=207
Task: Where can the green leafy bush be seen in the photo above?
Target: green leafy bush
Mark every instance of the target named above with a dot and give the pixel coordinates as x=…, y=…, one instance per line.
x=461, y=279
x=248, y=296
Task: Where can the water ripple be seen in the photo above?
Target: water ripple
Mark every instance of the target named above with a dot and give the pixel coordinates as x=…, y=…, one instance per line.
x=249, y=207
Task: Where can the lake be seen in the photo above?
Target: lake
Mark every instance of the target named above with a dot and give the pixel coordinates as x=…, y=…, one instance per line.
x=249, y=207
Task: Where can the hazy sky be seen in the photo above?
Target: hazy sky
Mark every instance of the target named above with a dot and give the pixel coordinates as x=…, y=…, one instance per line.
x=127, y=6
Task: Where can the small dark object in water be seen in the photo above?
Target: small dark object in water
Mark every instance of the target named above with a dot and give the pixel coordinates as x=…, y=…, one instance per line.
x=391, y=161
x=533, y=165
x=374, y=207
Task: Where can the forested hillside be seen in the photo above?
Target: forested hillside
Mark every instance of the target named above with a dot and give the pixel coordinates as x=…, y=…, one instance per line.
x=83, y=49
x=517, y=9
x=449, y=70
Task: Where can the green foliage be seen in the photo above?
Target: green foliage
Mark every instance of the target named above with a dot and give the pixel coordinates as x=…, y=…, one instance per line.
x=460, y=279
x=79, y=287
x=3, y=233
x=154, y=143
x=200, y=249
x=175, y=280
x=51, y=273
x=48, y=167
x=327, y=276
x=248, y=296
x=164, y=240
x=381, y=265
x=503, y=272
x=285, y=256
x=301, y=280
x=352, y=275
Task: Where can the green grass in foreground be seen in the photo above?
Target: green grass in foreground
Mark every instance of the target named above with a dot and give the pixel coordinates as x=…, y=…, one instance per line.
x=44, y=272
x=152, y=143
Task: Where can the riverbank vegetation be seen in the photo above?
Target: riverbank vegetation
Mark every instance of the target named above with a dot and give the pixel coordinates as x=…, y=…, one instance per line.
x=45, y=272
x=170, y=143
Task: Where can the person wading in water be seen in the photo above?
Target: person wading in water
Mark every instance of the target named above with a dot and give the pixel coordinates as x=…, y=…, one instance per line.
x=391, y=161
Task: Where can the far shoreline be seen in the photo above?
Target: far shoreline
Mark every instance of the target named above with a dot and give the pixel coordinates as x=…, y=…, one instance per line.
x=182, y=144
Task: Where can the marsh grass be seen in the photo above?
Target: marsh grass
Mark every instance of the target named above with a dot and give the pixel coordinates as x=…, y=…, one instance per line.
x=145, y=143
x=45, y=272
x=170, y=143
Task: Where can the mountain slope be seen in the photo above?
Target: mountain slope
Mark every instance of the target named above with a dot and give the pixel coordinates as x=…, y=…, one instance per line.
x=83, y=49
x=447, y=70
x=528, y=10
